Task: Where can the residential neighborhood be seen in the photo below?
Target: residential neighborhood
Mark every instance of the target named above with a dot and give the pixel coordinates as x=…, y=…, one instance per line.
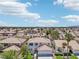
x=39, y=43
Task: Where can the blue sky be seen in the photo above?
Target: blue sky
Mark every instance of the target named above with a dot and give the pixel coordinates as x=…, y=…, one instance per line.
x=39, y=13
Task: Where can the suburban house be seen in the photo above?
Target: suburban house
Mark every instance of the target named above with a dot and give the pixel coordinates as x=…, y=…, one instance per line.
x=76, y=33
x=20, y=33
x=14, y=48
x=7, y=33
x=12, y=41
x=36, y=34
x=58, y=44
x=74, y=45
x=45, y=50
x=34, y=43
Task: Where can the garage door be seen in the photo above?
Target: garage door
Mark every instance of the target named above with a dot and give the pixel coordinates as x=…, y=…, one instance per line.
x=44, y=57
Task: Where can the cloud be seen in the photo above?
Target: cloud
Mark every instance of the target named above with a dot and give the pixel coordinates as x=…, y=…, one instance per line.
x=48, y=21
x=72, y=18
x=71, y=4
x=11, y=7
x=42, y=23
x=58, y=2
x=28, y=4
x=8, y=0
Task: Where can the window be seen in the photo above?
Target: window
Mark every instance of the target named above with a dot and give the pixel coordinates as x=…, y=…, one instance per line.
x=31, y=44
x=36, y=43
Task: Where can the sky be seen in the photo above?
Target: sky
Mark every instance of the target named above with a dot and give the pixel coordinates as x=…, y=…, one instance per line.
x=39, y=13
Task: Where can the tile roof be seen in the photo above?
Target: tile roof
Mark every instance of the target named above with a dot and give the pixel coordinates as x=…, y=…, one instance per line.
x=39, y=40
x=14, y=47
x=13, y=40
x=45, y=48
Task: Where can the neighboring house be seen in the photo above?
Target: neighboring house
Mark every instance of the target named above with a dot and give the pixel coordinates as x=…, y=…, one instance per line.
x=34, y=43
x=7, y=33
x=14, y=48
x=36, y=34
x=58, y=44
x=76, y=33
x=77, y=39
x=20, y=33
x=72, y=43
x=1, y=32
x=12, y=41
x=73, y=34
x=45, y=50
x=75, y=46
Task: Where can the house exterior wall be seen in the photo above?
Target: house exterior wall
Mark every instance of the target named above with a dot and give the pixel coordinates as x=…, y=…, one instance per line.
x=34, y=46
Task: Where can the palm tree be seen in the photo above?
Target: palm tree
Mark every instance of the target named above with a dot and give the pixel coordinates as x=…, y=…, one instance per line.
x=25, y=52
x=68, y=38
x=9, y=55
x=63, y=47
x=54, y=36
x=47, y=33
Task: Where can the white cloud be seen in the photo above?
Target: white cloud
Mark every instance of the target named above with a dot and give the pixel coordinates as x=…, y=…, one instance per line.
x=48, y=21
x=42, y=23
x=8, y=0
x=28, y=4
x=72, y=4
x=71, y=18
x=17, y=9
x=58, y=2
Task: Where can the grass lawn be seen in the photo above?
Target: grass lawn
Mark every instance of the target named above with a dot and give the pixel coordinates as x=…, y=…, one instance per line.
x=73, y=57
x=59, y=57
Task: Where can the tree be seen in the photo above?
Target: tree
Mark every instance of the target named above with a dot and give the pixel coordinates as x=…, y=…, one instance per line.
x=68, y=38
x=25, y=52
x=9, y=55
x=48, y=32
x=54, y=36
x=63, y=47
